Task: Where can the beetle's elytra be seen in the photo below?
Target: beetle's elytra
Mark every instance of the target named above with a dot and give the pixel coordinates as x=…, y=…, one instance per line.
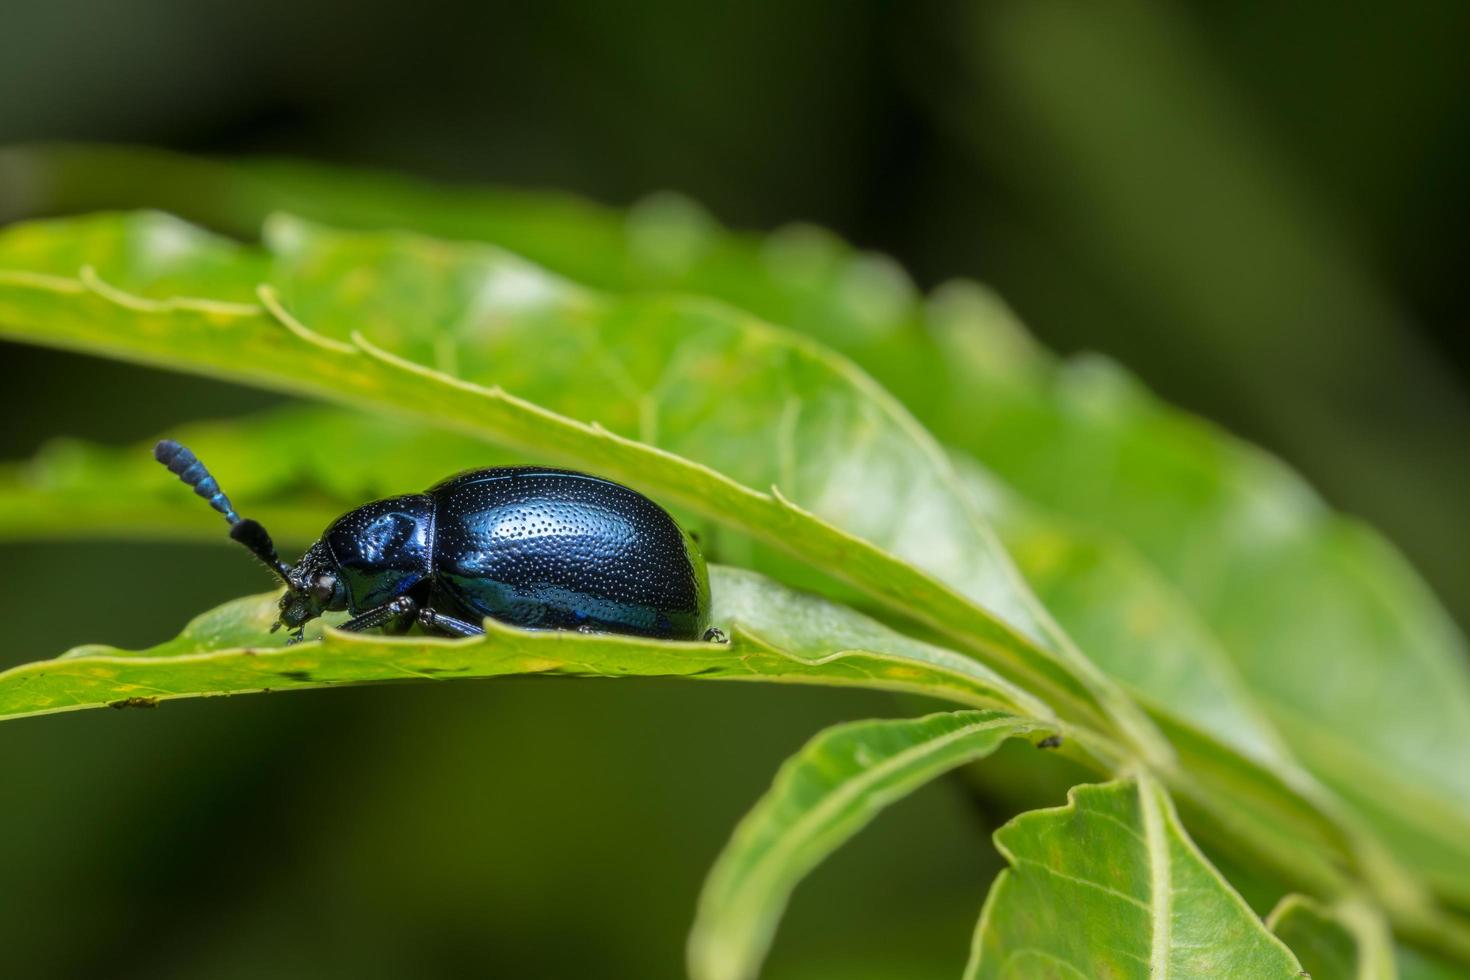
x=530, y=546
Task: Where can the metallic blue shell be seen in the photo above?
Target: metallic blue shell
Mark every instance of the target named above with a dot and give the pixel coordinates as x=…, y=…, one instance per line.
x=383, y=549
x=555, y=549
x=534, y=547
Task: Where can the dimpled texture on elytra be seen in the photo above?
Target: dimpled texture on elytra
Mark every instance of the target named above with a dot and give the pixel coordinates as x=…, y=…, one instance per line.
x=553, y=549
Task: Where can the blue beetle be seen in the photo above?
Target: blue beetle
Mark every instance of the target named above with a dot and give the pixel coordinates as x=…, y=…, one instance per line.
x=530, y=546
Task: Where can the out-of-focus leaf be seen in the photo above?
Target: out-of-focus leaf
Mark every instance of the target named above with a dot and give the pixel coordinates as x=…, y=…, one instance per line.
x=1142, y=633
x=1416, y=965
x=803, y=277
x=294, y=469
x=1130, y=622
x=1350, y=942
x=813, y=402
x=1110, y=885
x=1221, y=250
x=1321, y=618
x=776, y=634
x=822, y=796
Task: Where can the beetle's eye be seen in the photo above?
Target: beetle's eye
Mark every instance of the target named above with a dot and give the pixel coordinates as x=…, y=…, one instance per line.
x=323, y=588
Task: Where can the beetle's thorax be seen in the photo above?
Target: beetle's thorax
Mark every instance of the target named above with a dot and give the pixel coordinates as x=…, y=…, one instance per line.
x=380, y=550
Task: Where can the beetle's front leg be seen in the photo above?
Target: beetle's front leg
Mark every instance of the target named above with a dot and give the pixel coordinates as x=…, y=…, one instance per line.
x=394, y=616
x=436, y=622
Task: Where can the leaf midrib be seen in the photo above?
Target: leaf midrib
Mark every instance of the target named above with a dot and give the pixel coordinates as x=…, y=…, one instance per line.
x=1161, y=896
x=1000, y=645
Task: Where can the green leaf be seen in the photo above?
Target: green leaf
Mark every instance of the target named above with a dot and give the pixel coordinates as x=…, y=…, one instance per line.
x=294, y=469
x=833, y=788
x=305, y=453
x=1188, y=500
x=802, y=277
x=1141, y=632
x=1111, y=885
x=843, y=443
x=1349, y=942
x=1325, y=623
x=702, y=381
x=406, y=287
x=1415, y=964
x=776, y=634
x=1133, y=624
x=1322, y=619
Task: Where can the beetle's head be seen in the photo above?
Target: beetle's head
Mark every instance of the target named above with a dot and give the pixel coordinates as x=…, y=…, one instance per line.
x=313, y=586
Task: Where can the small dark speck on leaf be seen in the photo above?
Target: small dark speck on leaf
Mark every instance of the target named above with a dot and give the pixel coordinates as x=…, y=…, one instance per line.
x=1050, y=742
x=295, y=675
x=139, y=702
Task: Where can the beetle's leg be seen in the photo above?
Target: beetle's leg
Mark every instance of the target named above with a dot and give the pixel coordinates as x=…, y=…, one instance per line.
x=388, y=614
x=715, y=635
x=436, y=622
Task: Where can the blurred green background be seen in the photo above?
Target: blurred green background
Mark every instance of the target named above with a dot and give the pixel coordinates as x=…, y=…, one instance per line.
x=1259, y=208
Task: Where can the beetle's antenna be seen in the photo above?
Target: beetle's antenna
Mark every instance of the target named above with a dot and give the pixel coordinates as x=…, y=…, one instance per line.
x=186, y=466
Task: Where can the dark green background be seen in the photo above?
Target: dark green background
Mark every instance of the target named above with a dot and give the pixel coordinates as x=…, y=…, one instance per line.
x=1259, y=209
